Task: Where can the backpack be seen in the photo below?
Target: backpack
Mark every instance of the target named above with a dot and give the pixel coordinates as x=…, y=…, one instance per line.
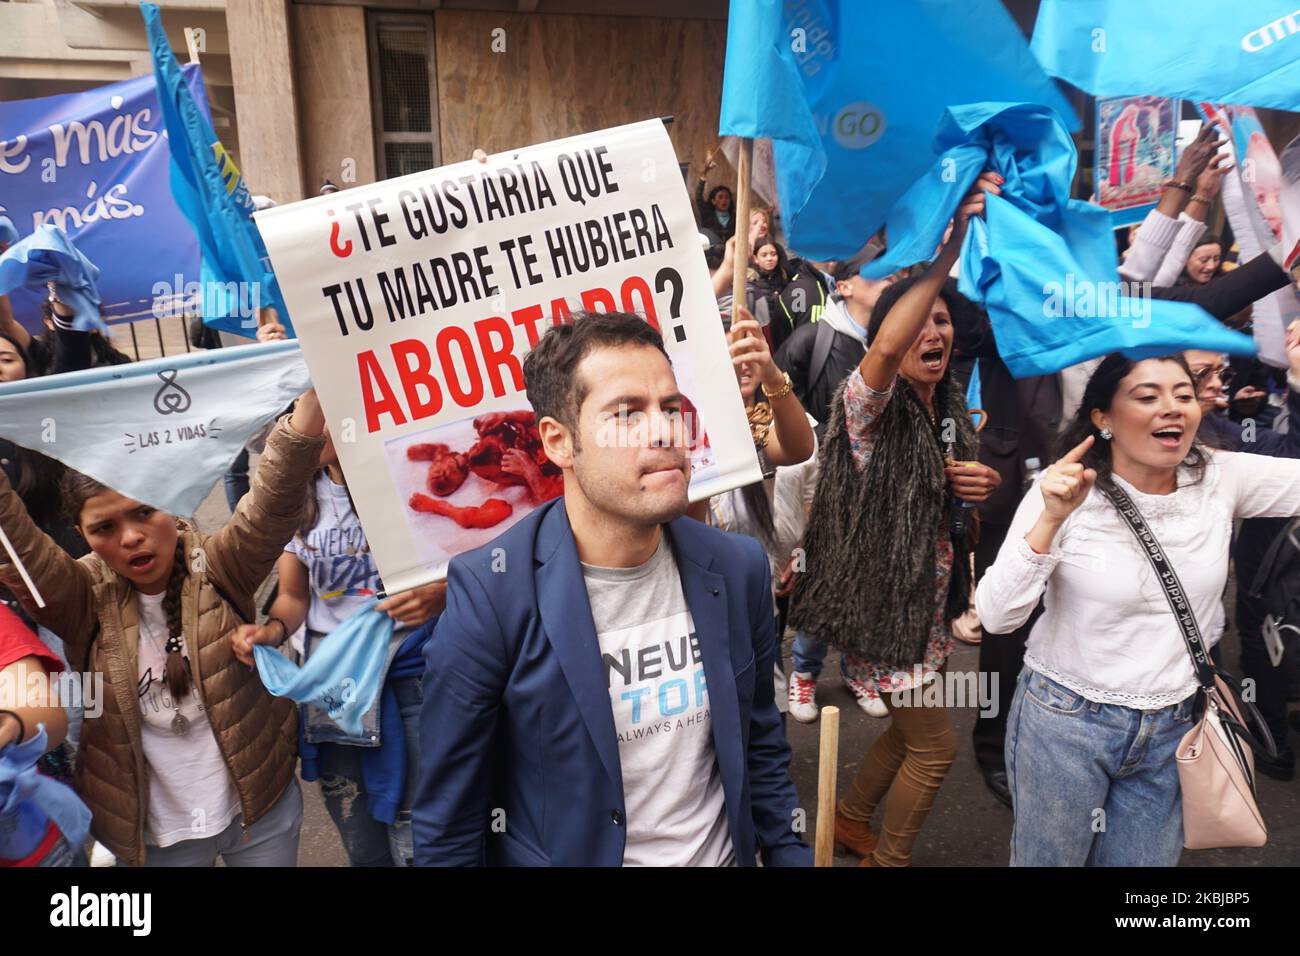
x=1277, y=586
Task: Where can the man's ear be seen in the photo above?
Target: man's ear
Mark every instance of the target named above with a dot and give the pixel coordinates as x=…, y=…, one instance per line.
x=557, y=441
x=845, y=289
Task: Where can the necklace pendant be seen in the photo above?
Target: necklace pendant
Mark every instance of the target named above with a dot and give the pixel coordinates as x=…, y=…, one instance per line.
x=180, y=725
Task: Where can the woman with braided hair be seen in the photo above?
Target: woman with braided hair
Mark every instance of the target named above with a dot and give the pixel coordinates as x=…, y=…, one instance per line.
x=191, y=757
x=885, y=556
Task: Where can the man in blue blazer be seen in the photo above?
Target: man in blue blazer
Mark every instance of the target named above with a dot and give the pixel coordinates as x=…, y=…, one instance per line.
x=599, y=689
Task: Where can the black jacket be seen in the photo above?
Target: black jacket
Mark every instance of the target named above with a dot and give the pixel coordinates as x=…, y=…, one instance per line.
x=1024, y=416
x=708, y=216
x=816, y=386
x=1231, y=292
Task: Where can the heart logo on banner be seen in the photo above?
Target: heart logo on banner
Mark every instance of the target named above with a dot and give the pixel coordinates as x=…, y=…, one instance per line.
x=116, y=102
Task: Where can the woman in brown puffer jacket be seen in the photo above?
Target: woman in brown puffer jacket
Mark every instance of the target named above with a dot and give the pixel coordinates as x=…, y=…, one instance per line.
x=190, y=758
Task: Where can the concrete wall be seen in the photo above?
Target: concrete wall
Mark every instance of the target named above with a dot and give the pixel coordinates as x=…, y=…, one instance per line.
x=563, y=75
x=261, y=64
x=333, y=85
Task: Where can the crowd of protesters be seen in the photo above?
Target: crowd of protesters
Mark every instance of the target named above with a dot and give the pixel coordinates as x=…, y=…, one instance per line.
x=884, y=527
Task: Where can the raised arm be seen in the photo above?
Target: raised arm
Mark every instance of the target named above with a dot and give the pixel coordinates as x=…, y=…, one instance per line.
x=1009, y=591
x=1208, y=185
x=790, y=440
x=1231, y=292
x=243, y=552
x=1152, y=243
x=906, y=320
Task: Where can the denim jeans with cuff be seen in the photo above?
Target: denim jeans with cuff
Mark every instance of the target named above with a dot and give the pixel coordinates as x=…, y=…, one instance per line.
x=1093, y=784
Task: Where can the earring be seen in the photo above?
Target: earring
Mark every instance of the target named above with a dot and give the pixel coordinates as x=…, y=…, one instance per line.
x=1106, y=433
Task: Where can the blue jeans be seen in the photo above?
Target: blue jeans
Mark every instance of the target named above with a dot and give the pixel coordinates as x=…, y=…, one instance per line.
x=74, y=708
x=1093, y=784
x=807, y=654
x=236, y=479
x=63, y=854
x=271, y=841
x=367, y=841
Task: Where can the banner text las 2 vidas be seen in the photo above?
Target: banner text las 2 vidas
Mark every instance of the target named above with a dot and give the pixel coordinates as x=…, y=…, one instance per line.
x=416, y=299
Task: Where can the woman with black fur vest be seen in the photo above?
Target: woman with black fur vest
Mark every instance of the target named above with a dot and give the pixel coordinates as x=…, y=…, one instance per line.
x=888, y=564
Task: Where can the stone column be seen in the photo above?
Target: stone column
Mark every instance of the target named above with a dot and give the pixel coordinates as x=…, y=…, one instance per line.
x=261, y=63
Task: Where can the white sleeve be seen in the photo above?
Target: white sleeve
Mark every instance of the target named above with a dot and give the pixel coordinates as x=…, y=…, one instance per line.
x=1152, y=242
x=811, y=468
x=1180, y=251
x=1011, y=587
x=1261, y=487
x=793, y=494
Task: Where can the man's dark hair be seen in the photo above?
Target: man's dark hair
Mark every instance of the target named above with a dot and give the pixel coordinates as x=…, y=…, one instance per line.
x=550, y=369
x=844, y=270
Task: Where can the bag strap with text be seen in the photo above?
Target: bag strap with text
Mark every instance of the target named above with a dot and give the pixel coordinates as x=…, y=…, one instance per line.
x=1261, y=740
x=1168, y=578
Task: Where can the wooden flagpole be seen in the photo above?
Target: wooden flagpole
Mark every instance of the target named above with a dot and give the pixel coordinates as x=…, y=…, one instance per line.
x=827, y=766
x=740, y=209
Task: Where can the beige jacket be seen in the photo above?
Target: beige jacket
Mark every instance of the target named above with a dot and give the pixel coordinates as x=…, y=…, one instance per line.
x=96, y=613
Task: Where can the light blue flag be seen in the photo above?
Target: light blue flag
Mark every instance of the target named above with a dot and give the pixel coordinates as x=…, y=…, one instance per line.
x=161, y=431
x=214, y=198
x=48, y=255
x=851, y=94
x=1043, y=265
x=343, y=675
x=1245, y=52
x=30, y=797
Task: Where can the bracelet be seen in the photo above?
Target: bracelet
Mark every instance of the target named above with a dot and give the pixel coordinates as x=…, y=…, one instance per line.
x=284, y=630
x=781, y=392
x=1177, y=184
x=1201, y=199
x=22, y=727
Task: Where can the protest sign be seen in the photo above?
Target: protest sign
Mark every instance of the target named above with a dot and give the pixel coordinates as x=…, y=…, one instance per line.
x=1252, y=201
x=95, y=164
x=1135, y=154
x=161, y=431
x=1291, y=202
x=416, y=298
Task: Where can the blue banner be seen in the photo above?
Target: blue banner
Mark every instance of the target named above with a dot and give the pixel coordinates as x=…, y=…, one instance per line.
x=237, y=274
x=95, y=165
x=851, y=94
x=1041, y=264
x=1246, y=52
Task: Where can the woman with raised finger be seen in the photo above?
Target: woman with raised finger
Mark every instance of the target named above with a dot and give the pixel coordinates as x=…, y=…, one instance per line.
x=1108, y=687
x=191, y=757
x=885, y=554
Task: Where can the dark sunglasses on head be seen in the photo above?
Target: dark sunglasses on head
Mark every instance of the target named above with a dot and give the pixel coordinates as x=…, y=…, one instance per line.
x=1224, y=372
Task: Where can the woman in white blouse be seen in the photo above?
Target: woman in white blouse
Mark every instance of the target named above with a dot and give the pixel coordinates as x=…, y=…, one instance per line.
x=1108, y=687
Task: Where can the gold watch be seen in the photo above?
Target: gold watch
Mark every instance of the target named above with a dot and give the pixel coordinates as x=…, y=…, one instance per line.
x=781, y=392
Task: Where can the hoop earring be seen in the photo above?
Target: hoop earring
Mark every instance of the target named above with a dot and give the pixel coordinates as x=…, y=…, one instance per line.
x=1107, y=434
